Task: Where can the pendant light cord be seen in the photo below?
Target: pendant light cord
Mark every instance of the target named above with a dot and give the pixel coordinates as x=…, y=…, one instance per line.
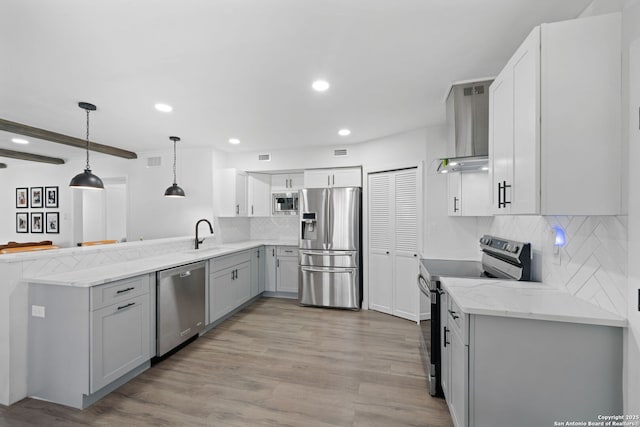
x=174, y=163
x=88, y=139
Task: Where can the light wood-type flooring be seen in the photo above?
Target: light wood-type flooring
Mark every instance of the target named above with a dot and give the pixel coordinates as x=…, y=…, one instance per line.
x=272, y=364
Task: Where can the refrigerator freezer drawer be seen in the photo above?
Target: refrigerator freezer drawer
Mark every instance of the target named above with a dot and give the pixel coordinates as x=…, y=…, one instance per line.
x=330, y=287
x=347, y=259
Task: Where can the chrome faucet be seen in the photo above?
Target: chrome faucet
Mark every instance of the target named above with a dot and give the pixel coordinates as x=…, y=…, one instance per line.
x=198, y=241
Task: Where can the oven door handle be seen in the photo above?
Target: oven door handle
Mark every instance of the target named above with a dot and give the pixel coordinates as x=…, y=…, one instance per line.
x=422, y=284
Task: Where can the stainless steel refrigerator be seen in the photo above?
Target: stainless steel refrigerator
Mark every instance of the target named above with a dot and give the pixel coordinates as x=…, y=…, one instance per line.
x=330, y=241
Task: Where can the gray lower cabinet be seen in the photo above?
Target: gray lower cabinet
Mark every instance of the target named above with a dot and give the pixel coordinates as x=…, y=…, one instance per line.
x=229, y=283
x=119, y=340
x=504, y=371
x=89, y=341
x=257, y=271
x=271, y=260
x=287, y=275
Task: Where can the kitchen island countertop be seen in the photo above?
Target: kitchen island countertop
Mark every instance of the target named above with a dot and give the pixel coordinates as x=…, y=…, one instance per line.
x=102, y=274
x=527, y=300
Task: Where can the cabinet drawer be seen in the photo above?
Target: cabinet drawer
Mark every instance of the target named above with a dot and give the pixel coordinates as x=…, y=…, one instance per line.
x=226, y=261
x=119, y=291
x=287, y=251
x=457, y=320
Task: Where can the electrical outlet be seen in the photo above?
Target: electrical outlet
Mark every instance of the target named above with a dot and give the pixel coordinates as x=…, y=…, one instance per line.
x=37, y=311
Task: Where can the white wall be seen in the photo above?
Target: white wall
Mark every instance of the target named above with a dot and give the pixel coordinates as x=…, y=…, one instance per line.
x=150, y=214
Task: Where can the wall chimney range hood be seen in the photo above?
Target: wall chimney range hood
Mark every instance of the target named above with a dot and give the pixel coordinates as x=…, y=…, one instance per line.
x=467, y=128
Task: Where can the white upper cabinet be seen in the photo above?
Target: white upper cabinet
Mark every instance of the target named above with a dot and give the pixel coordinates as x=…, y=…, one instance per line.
x=326, y=178
x=259, y=194
x=230, y=192
x=554, y=122
x=468, y=194
x=286, y=183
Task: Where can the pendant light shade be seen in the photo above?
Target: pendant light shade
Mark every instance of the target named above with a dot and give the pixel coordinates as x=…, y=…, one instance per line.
x=175, y=190
x=87, y=180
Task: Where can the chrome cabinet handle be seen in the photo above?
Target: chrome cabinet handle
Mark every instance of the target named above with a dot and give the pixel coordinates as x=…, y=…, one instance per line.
x=455, y=204
x=445, y=336
x=237, y=209
x=453, y=314
x=121, y=291
x=251, y=209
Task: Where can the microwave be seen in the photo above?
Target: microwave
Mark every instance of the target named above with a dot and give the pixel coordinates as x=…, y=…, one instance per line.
x=284, y=204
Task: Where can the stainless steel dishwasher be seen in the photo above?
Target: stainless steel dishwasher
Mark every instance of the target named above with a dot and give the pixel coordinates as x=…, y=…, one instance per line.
x=180, y=305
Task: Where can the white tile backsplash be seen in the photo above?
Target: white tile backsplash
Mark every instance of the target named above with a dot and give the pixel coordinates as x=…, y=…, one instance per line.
x=230, y=229
x=275, y=227
x=593, y=263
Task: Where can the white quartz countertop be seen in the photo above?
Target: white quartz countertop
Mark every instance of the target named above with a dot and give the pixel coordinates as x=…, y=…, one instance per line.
x=527, y=300
x=108, y=273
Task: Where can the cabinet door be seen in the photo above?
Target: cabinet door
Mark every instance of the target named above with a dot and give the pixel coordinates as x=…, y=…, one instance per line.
x=255, y=272
x=501, y=138
x=454, y=193
x=241, y=194
x=445, y=347
x=221, y=293
x=279, y=183
x=270, y=269
x=317, y=178
x=348, y=177
x=525, y=186
x=259, y=194
x=119, y=340
x=457, y=398
x=261, y=269
x=287, y=277
x=475, y=194
x=242, y=284
x=296, y=181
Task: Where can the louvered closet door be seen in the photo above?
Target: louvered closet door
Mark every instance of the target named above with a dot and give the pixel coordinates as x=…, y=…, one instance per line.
x=381, y=242
x=406, y=293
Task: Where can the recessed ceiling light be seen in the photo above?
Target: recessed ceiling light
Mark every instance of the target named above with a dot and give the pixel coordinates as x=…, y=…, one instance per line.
x=320, y=85
x=19, y=141
x=234, y=141
x=344, y=132
x=164, y=108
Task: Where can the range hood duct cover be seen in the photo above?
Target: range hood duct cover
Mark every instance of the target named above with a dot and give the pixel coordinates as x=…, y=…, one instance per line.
x=468, y=128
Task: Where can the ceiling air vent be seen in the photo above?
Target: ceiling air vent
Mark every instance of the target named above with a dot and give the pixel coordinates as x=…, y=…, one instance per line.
x=153, y=162
x=264, y=157
x=340, y=152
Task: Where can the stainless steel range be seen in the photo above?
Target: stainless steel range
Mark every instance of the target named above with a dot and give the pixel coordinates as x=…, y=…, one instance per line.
x=501, y=258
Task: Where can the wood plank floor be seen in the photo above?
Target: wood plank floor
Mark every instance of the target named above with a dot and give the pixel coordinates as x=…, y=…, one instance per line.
x=272, y=364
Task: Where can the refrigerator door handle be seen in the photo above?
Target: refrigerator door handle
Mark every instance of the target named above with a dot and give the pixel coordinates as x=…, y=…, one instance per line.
x=326, y=270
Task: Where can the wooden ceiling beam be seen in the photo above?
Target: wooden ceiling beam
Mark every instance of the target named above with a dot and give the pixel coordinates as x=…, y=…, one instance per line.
x=30, y=131
x=20, y=155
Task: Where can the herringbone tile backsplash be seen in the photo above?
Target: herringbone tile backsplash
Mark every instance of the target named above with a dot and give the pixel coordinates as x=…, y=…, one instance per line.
x=593, y=263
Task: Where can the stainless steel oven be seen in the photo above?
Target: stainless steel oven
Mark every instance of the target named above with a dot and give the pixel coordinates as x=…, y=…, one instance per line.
x=284, y=203
x=501, y=258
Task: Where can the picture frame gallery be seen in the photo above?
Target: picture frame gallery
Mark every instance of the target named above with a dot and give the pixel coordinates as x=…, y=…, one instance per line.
x=34, y=198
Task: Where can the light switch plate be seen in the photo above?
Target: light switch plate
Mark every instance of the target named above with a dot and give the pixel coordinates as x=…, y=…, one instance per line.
x=37, y=311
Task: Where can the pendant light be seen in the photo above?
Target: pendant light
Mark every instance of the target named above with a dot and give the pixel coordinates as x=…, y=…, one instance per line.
x=174, y=190
x=87, y=180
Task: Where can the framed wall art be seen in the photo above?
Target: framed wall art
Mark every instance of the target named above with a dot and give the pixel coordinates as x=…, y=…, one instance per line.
x=50, y=197
x=22, y=197
x=37, y=222
x=36, y=197
x=22, y=222
x=52, y=221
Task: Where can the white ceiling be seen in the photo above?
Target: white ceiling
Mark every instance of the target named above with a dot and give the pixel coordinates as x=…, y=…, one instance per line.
x=244, y=68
